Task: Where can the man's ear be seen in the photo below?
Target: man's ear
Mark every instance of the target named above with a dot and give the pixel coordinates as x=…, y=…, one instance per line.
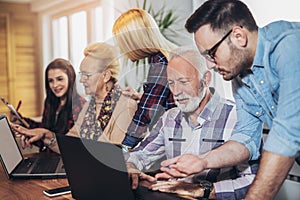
x=207, y=78
x=107, y=76
x=239, y=36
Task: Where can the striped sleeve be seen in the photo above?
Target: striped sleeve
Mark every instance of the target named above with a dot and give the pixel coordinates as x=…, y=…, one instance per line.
x=150, y=149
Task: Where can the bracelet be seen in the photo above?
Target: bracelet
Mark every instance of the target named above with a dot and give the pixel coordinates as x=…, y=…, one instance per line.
x=52, y=141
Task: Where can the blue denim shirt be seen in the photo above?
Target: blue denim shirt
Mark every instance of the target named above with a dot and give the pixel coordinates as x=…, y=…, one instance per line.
x=270, y=92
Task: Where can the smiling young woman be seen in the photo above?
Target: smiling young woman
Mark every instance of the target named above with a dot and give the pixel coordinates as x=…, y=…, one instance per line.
x=63, y=103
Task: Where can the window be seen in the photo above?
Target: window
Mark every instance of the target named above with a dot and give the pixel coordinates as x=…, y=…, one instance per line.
x=71, y=29
x=71, y=33
x=60, y=37
x=78, y=36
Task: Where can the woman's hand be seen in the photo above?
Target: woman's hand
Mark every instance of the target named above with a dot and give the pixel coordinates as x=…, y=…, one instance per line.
x=178, y=187
x=14, y=119
x=135, y=175
x=130, y=92
x=29, y=136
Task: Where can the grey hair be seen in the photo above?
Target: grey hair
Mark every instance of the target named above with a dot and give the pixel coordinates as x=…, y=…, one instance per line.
x=192, y=56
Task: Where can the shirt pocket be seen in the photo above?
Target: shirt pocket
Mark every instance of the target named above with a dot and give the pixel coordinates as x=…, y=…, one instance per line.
x=254, y=110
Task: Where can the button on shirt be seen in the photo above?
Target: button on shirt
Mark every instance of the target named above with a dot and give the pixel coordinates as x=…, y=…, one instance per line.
x=270, y=94
x=174, y=135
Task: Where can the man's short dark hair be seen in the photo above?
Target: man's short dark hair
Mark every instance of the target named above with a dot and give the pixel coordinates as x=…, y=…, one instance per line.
x=221, y=15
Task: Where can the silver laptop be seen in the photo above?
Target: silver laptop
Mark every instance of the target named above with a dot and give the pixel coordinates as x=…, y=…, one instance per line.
x=17, y=166
x=95, y=170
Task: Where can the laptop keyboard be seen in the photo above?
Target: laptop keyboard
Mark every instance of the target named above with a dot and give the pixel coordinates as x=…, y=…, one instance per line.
x=45, y=165
x=25, y=165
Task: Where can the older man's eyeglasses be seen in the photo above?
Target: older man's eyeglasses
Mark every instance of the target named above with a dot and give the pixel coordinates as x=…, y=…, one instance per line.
x=87, y=75
x=210, y=53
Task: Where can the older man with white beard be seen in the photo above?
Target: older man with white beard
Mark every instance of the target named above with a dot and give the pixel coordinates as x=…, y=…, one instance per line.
x=201, y=122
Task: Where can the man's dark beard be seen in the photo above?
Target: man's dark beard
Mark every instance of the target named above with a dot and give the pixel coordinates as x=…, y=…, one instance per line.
x=245, y=61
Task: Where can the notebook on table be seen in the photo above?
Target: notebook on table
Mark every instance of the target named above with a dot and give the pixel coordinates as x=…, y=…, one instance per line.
x=95, y=170
x=17, y=166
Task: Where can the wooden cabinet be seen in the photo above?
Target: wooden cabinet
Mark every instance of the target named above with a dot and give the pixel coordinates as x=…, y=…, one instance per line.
x=20, y=75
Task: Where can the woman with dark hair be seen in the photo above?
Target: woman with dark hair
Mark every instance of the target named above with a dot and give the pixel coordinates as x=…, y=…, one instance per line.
x=58, y=113
x=63, y=103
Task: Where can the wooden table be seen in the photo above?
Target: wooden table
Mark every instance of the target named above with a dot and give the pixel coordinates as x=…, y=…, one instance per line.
x=32, y=189
x=29, y=189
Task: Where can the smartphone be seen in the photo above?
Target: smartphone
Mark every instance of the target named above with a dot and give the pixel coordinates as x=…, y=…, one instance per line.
x=57, y=191
x=13, y=110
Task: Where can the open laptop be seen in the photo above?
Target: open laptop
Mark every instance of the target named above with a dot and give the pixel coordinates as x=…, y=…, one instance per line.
x=95, y=170
x=17, y=166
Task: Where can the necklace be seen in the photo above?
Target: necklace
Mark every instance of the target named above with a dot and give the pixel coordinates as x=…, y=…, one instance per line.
x=99, y=102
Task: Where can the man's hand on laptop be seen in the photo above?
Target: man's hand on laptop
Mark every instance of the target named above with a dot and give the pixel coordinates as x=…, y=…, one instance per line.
x=181, y=166
x=137, y=175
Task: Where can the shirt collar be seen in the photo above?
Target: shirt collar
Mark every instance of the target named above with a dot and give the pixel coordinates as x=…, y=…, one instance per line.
x=260, y=48
x=258, y=58
x=207, y=112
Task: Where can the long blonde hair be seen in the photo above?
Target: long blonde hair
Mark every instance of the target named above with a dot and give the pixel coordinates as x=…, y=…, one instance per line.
x=108, y=55
x=138, y=35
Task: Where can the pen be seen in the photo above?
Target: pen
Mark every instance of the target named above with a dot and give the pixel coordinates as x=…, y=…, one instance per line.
x=19, y=105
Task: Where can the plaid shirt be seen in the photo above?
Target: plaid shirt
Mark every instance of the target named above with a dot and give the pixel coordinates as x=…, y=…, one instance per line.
x=174, y=135
x=156, y=98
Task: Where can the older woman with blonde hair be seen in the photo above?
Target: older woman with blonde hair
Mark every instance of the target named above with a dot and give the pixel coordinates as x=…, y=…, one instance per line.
x=138, y=37
x=106, y=116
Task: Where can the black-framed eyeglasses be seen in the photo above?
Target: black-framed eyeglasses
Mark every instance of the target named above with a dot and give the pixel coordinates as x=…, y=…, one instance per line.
x=209, y=54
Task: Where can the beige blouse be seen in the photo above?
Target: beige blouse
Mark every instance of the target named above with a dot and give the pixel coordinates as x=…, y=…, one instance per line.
x=117, y=126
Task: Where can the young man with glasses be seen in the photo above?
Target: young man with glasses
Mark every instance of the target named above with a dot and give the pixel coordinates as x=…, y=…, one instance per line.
x=263, y=64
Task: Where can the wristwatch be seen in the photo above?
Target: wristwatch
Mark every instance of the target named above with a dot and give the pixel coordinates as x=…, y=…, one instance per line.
x=207, y=187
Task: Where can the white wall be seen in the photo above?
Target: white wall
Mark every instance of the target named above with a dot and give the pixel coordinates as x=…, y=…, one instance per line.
x=267, y=11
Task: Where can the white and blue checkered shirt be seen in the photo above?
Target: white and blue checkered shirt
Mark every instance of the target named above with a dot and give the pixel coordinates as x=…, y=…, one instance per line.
x=174, y=135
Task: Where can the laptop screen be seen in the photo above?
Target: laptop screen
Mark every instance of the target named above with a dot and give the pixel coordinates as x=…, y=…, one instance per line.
x=9, y=150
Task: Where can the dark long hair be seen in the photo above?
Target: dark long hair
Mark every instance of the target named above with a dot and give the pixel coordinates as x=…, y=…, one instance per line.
x=60, y=125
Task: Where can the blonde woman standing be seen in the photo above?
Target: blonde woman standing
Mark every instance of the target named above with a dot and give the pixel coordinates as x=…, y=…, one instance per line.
x=139, y=37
